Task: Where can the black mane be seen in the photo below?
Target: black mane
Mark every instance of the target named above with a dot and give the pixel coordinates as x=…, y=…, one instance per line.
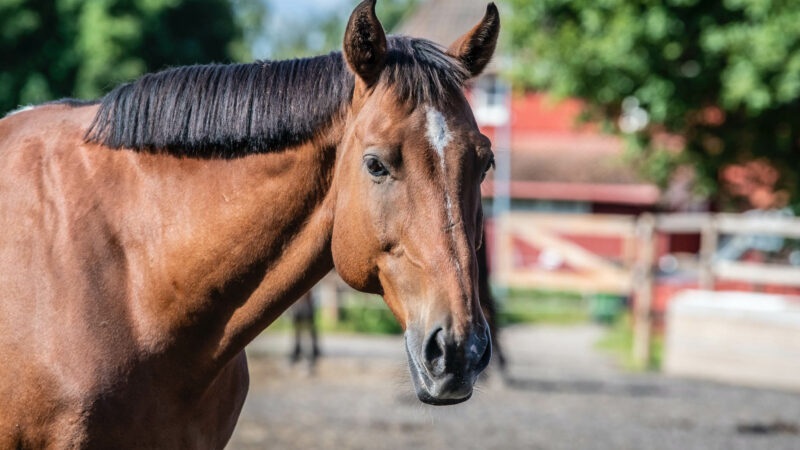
x=232, y=110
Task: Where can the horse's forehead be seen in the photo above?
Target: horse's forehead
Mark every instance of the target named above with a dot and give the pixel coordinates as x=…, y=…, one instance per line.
x=437, y=131
x=423, y=129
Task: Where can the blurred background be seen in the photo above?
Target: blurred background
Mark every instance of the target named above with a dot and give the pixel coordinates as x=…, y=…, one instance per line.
x=641, y=233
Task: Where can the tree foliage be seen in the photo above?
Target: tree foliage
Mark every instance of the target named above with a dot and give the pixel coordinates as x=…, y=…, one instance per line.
x=315, y=33
x=81, y=48
x=722, y=74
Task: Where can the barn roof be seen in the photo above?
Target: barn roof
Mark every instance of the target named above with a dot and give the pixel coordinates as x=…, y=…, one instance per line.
x=443, y=21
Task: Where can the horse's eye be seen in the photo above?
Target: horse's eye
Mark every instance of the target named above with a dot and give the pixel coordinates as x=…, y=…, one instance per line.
x=375, y=167
x=489, y=165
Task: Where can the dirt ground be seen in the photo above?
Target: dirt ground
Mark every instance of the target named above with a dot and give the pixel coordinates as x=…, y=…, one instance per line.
x=560, y=394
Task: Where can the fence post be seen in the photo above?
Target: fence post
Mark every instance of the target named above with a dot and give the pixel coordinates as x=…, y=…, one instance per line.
x=708, y=247
x=643, y=289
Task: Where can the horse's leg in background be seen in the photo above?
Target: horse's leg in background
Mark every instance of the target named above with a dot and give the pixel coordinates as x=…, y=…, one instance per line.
x=488, y=304
x=298, y=349
x=312, y=326
x=297, y=326
x=302, y=312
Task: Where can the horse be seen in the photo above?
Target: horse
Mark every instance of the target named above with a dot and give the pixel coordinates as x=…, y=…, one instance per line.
x=150, y=235
x=302, y=314
x=489, y=307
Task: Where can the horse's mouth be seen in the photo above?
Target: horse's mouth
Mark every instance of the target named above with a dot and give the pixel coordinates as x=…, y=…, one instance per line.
x=426, y=398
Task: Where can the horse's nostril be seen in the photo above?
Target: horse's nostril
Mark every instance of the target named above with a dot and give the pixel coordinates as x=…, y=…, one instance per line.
x=486, y=356
x=433, y=352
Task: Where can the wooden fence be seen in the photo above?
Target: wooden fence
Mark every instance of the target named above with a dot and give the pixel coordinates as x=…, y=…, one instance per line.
x=583, y=269
x=631, y=271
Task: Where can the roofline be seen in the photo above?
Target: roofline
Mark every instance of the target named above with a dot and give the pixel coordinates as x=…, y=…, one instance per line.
x=628, y=194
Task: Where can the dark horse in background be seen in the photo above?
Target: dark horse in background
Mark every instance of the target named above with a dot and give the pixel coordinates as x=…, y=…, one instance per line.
x=148, y=237
x=302, y=314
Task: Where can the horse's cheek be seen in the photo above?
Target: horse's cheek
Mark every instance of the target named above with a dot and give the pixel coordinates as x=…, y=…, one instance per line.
x=354, y=252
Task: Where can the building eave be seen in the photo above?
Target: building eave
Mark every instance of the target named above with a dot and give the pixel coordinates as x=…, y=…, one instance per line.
x=624, y=194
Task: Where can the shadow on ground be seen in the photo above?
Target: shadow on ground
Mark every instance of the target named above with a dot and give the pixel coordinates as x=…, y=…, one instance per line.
x=560, y=394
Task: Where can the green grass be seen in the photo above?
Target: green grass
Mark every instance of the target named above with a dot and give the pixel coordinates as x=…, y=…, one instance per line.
x=542, y=310
x=618, y=341
x=281, y=325
x=367, y=319
x=539, y=294
x=362, y=313
x=537, y=306
x=359, y=315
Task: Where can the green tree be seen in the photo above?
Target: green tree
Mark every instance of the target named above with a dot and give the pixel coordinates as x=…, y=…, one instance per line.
x=392, y=12
x=722, y=74
x=315, y=33
x=81, y=48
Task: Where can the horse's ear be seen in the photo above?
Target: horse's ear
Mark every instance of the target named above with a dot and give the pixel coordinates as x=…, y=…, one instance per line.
x=365, y=43
x=476, y=48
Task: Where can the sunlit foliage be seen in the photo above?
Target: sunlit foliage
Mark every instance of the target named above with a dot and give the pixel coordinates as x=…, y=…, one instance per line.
x=81, y=48
x=722, y=74
x=317, y=32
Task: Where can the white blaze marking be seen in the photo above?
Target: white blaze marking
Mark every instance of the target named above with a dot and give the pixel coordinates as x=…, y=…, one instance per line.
x=439, y=136
x=438, y=133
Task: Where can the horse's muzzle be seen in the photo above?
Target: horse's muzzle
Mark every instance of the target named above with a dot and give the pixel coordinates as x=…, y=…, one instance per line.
x=443, y=367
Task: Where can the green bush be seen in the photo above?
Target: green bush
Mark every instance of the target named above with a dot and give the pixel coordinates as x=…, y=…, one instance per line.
x=537, y=306
x=362, y=313
x=371, y=320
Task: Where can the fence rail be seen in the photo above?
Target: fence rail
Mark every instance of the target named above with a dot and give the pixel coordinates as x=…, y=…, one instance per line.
x=632, y=273
x=588, y=272
x=724, y=223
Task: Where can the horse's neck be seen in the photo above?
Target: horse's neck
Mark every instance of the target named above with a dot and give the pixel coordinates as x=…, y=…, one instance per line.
x=239, y=241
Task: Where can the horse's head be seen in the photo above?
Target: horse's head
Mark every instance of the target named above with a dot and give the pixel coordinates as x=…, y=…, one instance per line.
x=408, y=214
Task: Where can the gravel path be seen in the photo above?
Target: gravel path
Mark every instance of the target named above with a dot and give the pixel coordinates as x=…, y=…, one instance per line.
x=561, y=394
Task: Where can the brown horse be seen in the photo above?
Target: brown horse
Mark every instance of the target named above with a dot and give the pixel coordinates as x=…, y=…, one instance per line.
x=148, y=237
